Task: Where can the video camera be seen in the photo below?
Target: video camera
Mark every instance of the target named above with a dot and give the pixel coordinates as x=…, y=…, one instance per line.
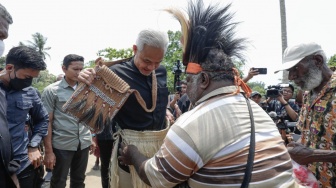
x=273, y=91
x=177, y=71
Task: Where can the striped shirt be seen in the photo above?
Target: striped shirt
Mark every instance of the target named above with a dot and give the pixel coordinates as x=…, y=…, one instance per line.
x=208, y=147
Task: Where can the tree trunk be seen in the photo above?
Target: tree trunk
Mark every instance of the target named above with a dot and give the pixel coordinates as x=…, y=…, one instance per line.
x=283, y=35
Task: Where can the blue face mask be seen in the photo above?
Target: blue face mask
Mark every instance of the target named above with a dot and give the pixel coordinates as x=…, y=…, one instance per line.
x=18, y=84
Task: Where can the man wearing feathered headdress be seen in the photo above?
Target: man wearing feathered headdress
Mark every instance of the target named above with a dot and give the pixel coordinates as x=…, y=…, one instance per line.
x=224, y=141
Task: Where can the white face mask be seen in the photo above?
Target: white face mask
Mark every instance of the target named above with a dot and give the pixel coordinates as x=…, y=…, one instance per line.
x=2, y=47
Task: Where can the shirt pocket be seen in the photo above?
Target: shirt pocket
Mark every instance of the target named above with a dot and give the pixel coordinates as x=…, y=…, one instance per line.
x=61, y=101
x=23, y=108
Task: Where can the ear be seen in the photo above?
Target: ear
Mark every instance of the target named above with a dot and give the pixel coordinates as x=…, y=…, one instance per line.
x=205, y=80
x=9, y=67
x=64, y=68
x=135, y=49
x=318, y=60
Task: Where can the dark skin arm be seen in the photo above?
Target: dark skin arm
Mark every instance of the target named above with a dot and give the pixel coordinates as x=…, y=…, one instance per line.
x=130, y=155
x=304, y=155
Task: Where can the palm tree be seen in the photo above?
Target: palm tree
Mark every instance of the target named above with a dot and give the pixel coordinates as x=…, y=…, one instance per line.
x=38, y=43
x=283, y=35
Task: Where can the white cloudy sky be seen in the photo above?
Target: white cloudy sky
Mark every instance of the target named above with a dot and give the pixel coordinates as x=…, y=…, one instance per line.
x=84, y=27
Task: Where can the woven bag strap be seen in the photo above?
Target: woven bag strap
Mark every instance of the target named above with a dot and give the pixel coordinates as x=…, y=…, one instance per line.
x=154, y=95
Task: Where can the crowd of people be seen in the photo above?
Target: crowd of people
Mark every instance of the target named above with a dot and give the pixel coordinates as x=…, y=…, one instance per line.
x=214, y=132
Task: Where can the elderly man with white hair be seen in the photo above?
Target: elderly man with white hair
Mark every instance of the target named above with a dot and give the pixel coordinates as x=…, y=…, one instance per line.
x=307, y=66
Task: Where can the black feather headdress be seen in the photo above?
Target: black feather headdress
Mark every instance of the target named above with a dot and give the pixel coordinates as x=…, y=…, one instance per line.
x=209, y=41
x=207, y=28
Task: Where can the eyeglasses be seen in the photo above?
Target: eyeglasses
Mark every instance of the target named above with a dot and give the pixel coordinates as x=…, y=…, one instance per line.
x=287, y=91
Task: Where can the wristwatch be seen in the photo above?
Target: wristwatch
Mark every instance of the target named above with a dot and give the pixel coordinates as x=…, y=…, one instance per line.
x=33, y=144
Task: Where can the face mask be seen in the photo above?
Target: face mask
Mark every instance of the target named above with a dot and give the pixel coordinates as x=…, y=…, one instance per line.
x=19, y=84
x=2, y=47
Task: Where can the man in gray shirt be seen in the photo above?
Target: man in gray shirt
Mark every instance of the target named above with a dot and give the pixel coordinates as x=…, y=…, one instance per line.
x=67, y=142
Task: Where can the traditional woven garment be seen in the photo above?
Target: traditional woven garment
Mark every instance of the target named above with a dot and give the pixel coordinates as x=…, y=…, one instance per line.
x=95, y=105
x=147, y=142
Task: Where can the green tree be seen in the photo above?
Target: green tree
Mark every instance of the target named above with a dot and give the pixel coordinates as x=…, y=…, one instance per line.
x=174, y=53
x=114, y=54
x=332, y=61
x=257, y=86
x=2, y=62
x=44, y=79
x=39, y=44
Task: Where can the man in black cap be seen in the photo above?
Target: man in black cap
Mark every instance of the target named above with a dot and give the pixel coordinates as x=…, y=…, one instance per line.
x=256, y=97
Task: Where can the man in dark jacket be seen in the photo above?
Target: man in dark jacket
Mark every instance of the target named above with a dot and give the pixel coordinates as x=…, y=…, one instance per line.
x=7, y=165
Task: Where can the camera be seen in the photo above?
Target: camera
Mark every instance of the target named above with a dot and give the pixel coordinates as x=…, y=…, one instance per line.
x=273, y=91
x=177, y=71
x=279, y=120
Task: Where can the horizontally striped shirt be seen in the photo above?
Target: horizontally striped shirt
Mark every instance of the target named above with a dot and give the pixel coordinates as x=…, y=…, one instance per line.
x=208, y=147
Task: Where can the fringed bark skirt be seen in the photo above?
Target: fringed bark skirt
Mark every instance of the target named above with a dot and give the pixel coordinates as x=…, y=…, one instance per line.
x=148, y=143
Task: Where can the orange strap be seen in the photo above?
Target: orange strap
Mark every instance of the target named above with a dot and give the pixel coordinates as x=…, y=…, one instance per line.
x=193, y=68
x=239, y=82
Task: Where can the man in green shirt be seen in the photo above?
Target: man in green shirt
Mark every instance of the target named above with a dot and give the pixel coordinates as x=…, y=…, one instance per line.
x=68, y=143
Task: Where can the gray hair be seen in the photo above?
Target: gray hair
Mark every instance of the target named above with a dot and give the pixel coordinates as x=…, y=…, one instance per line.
x=152, y=38
x=5, y=14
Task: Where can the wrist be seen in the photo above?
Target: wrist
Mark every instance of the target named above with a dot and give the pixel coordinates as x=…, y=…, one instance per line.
x=170, y=109
x=285, y=104
x=33, y=145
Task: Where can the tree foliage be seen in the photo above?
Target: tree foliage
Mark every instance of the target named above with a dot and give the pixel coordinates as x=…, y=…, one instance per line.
x=2, y=62
x=174, y=53
x=257, y=86
x=44, y=79
x=114, y=54
x=332, y=61
x=39, y=44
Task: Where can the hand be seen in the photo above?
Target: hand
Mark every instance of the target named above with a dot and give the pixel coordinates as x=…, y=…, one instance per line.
x=281, y=99
x=35, y=156
x=15, y=180
x=170, y=117
x=93, y=146
x=87, y=76
x=49, y=160
x=125, y=152
x=252, y=72
x=299, y=153
x=177, y=96
x=178, y=112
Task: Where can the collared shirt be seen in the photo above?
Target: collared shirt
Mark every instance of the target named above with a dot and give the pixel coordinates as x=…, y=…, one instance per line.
x=317, y=123
x=67, y=133
x=20, y=104
x=208, y=146
x=280, y=109
x=132, y=115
